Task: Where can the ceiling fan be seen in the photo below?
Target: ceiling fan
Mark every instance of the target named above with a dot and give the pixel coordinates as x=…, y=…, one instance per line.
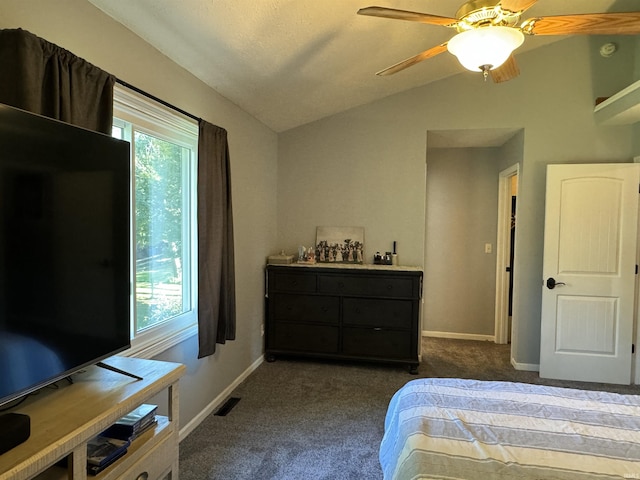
x=490, y=30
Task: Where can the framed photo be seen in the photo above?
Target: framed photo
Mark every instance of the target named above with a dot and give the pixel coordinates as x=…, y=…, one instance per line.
x=339, y=244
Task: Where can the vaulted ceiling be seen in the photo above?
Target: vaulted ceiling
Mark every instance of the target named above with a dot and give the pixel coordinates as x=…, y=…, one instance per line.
x=290, y=62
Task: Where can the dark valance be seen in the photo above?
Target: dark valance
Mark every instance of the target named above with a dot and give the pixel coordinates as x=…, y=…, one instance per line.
x=43, y=78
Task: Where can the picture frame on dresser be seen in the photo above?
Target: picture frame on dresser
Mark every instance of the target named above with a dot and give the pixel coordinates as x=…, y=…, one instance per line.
x=339, y=245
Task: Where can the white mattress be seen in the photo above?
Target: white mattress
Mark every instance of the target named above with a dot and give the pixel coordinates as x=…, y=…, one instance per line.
x=469, y=429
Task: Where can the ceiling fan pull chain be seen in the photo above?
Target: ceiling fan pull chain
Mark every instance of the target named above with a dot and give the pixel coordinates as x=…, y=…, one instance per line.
x=485, y=71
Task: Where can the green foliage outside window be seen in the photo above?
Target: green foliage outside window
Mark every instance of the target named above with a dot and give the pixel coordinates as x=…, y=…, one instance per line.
x=158, y=228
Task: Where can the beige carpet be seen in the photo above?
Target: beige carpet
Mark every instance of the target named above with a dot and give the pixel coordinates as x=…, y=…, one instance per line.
x=303, y=419
x=488, y=361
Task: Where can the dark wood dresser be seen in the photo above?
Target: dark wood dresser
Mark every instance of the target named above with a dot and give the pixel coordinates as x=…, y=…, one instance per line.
x=358, y=312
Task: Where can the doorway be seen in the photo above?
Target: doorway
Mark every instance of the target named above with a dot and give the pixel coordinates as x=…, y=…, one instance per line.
x=505, y=253
x=461, y=231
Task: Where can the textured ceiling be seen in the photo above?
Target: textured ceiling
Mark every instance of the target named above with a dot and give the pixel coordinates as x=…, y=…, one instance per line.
x=289, y=62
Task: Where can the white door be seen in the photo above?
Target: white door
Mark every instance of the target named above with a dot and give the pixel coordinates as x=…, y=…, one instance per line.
x=591, y=222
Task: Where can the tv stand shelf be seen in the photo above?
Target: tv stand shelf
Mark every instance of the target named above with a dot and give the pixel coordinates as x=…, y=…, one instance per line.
x=64, y=419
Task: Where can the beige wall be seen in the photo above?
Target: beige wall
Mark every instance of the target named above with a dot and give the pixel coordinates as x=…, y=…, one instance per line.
x=363, y=168
x=461, y=217
x=81, y=28
x=366, y=166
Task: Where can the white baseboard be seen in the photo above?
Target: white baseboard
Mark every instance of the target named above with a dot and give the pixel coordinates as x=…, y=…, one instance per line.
x=216, y=402
x=459, y=336
x=528, y=367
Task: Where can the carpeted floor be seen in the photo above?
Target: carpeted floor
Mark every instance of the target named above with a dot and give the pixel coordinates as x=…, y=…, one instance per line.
x=310, y=420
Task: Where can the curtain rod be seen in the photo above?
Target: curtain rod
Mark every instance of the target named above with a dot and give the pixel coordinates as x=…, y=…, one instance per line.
x=153, y=97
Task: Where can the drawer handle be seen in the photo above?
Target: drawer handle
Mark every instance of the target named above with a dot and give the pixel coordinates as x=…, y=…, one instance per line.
x=357, y=310
x=294, y=283
x=389, y=287
x=143, y=476
x=340, y=285
x=377, y=329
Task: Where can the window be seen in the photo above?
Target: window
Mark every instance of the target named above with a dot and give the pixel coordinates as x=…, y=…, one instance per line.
x=163, y=220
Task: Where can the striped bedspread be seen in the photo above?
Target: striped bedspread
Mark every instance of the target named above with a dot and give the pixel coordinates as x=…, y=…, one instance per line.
x=469, y=429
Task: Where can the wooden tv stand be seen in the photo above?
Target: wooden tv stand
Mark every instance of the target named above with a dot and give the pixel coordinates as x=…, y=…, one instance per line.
x=64, y=419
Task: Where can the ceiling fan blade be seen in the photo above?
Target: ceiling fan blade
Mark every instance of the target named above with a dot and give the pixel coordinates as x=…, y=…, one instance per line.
x=588, y=23
x=517, y=6
x=507, y=71
x=406, y=15
x=432, y=52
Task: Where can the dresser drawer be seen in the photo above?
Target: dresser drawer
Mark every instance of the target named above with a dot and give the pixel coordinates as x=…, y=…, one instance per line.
x=377, y=343
x=394, y=287
x=305, y=308
x=292, y=282
x=305, y=338
x=373, y=312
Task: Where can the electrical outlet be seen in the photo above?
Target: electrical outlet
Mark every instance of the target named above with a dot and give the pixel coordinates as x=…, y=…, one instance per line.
x=487, y=248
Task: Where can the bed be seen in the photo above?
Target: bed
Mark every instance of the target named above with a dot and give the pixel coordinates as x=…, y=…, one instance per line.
x=471, y=429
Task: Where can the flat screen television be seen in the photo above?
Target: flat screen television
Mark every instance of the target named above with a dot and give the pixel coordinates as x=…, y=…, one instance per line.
x=64, y=250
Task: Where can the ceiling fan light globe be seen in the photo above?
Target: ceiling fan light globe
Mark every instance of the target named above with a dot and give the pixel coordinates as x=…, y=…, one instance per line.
x=486, y=47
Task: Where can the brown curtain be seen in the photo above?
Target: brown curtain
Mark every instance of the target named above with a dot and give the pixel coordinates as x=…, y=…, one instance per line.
x=41, y=77
x=216, y=272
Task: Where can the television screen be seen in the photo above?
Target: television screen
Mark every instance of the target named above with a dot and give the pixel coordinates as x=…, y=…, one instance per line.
x=64, y=250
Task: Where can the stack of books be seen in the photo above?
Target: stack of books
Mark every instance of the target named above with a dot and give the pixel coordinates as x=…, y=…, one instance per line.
x=112, y=444
x=134, y=423
x=103, y=451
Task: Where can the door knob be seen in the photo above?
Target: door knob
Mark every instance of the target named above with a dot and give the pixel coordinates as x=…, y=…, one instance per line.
x=551, y=283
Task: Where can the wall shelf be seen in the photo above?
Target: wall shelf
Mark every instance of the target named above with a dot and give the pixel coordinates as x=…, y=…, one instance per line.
x=623, y=108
